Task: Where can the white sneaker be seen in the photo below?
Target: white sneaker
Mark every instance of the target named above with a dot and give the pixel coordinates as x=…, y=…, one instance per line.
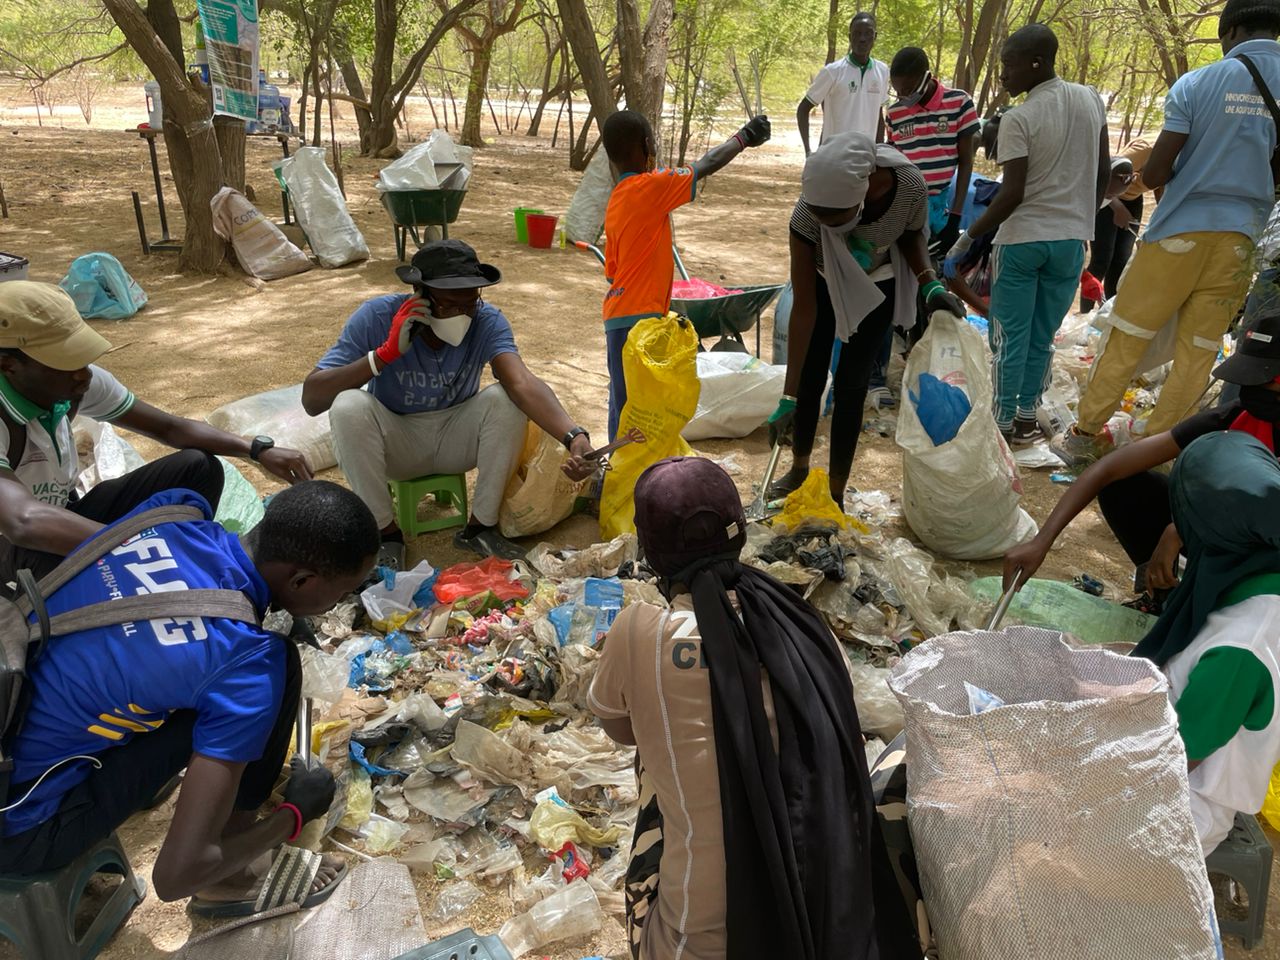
x=880, y=398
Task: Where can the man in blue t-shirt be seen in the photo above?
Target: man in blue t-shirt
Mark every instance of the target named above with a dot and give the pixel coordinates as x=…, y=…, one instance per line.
x=1196, y=260
x=402, y=387
x=116, y=712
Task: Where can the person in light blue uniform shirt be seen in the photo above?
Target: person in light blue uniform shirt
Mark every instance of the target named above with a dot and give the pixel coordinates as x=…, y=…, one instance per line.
x=402, y=389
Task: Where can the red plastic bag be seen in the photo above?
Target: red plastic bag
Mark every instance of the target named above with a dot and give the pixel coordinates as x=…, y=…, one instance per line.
x=468, y=579
x=695, y=289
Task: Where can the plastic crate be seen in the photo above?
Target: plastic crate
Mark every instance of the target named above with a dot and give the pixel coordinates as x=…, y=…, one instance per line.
x=13, y=267
x=463, y=945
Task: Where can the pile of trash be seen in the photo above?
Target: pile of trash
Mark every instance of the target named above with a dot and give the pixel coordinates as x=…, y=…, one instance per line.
x=451, y=707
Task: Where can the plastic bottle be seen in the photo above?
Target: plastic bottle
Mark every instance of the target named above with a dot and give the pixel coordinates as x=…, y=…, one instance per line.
x=155, y=110
x=268, y=104
x=572, y=912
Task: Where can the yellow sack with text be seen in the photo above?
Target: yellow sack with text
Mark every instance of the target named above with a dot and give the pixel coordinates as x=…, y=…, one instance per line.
x=538, y=495
x=660, y=363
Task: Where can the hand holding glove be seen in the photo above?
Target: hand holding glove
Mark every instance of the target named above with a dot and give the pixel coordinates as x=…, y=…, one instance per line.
x=310, y=788
x=951, y=263
x=756, y=132
x=413, y=311
x=949, y=234
x=781, y=421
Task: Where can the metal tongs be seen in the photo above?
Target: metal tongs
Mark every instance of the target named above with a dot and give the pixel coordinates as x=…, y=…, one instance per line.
x=758, y=510
x=601, y=455
x=1003, y=606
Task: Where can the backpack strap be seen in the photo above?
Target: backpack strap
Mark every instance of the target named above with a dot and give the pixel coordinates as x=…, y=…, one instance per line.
x=17, y=440
x=225, y=604
x=1259, y=585
x=91, y=551
x=1270, y=101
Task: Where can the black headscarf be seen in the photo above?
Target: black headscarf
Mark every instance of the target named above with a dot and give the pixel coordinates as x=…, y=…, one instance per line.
x=806, y=870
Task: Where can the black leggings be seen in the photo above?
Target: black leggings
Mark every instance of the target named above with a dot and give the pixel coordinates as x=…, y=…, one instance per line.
x=1112, y=246
x=110, y=500
x=849, y=383
x=1137, y=511
x=133, y=774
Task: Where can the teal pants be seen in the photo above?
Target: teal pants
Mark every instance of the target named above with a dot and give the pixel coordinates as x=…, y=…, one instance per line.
x=1033, y=286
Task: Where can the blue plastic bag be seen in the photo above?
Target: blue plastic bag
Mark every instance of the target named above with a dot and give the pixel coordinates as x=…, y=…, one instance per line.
x=101, y=287
x=942, y=407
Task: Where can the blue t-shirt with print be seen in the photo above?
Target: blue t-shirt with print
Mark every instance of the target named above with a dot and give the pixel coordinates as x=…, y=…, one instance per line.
x=1222, y=177
x=423, y=379
x=96, y=690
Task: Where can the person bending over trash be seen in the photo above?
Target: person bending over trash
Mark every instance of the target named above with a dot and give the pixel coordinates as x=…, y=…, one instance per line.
x=116, y=712
x=48, y=374
x=639, y=263
x=757, y=834
x=402, y=387
x=1218, y=639
x=858, y=255
x=1132, y=492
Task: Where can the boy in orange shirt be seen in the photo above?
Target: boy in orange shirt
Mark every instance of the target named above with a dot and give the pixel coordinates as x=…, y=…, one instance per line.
x=639, y=264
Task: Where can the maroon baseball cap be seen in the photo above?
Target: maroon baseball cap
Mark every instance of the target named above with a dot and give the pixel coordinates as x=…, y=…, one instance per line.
x=687, y=509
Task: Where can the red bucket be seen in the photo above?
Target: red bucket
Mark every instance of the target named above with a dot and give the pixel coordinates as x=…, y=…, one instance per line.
x=542, y=229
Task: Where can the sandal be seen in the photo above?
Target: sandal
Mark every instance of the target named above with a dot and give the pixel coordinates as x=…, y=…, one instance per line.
x=287, y=882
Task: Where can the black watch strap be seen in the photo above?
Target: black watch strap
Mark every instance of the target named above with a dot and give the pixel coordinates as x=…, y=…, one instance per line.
x=567, y=439
x=258, y=445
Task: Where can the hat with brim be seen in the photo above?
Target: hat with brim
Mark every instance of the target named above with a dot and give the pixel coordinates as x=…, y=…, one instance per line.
x=41, y=320
x=1257, y=357
x=449, y=265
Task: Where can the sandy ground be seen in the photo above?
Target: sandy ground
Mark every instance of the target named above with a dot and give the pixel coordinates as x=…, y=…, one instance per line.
x=204, y=341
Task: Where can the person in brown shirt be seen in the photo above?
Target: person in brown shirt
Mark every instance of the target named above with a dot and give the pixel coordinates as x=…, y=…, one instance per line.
x=1119, y=219
x=757, y=835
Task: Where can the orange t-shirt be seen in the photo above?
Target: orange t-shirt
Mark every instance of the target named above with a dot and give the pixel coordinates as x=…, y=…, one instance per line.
x=638, y=261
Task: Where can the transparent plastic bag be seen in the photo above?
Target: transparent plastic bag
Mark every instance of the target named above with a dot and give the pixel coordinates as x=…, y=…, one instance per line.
x=453, y=901
x=240, y=507
x=101, y=287
x=571, y=912
x=737, y=392
x=811, y=503
x=879, y=711
x=321, y=209
x=104, y=454
x=278, y=414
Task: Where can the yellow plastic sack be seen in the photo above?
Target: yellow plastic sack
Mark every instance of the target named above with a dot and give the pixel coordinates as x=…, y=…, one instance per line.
x=538, y=495
x=660, y=363
x=812, y=504
x=1271, y=806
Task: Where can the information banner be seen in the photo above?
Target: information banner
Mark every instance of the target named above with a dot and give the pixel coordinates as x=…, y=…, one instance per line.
x=231, y=39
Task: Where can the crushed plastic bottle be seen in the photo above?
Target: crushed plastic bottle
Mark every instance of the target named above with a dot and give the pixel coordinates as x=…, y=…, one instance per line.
x=572, y=912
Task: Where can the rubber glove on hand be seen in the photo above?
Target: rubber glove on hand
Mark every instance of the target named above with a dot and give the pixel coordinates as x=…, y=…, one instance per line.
x=781, y=421
x=945, y=300
x=310, y=788
x=413, y=311
x=951, y=263
x=756, y=132
x=949, y=234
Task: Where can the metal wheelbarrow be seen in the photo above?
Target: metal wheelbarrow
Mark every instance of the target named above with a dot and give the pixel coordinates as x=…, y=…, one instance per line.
x=411, y=209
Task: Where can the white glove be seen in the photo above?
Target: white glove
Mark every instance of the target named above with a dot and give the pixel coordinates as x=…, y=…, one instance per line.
x=960, y=247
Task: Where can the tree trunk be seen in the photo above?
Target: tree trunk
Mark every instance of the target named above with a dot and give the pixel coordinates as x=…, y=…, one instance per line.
x=579, y=155
x=473, y=113
x=548, y=92
x=644, y=57
x=164, y=21
x=230, y=134
x=576, y=23
x=351, y=79
x=833, y=30
x=194, y=156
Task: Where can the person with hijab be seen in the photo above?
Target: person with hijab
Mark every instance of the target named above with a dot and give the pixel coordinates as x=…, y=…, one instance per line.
x=859, y=255
x=757, y=834
x=1133, y=493
x=1218, y=639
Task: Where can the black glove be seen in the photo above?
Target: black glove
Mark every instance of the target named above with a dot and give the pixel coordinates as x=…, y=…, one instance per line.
x=756, y=132
x=944, y=300
x=310, y=789
x=949, y=234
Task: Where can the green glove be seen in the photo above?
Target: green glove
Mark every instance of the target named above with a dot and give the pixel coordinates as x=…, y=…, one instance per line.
x=781, y=421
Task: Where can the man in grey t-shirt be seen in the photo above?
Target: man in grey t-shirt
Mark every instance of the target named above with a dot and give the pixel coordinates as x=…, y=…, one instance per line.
x=1056, y=158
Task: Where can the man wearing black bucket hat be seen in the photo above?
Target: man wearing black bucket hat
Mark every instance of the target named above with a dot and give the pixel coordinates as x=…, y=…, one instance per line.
x=1133, y=493
x=402, y=387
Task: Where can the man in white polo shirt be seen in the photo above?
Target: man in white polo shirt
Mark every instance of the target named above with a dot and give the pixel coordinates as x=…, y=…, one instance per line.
x=48, y=374
x=850, y=90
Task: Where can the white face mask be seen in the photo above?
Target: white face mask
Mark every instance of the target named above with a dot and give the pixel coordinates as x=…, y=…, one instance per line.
x=451, y=330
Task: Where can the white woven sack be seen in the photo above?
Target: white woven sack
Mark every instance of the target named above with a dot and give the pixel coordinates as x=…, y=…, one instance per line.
x=1058, y=826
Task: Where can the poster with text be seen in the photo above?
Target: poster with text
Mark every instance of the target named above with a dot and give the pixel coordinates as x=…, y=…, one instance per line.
x=231, y=39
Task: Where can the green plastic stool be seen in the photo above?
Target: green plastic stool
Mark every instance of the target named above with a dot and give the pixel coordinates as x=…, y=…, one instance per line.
x=38, y=913
x=448, y=488
x=1245, y=859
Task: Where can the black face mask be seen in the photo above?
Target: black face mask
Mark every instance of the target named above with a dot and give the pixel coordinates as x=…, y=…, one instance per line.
x=1261, y=402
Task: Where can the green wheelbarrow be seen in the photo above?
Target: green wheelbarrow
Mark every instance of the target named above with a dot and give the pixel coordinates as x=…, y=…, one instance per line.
x=411, y=209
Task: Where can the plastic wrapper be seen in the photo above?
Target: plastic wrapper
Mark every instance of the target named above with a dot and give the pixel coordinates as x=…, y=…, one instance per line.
x=436, y=163
x=324, y=676
x=320, y=208
x=240, y=507
x=936, y=601
x=1036, y=821
x=481, y=854
x=597, y=560
x=553, y=824
x=104, y=454
x=571, y=912
x=811, y=505
x=489, y=757
x=382, y=835
x=453, y=901
x=444, y=800
x=101, y=287
x=961, y=497
x=261, y=248
x=879, y=711
x=1055, y=605
x=359, y=802
x=490, y=575
x=538, y=495
x=278, y=414
x=737, y=394
x=389, y=604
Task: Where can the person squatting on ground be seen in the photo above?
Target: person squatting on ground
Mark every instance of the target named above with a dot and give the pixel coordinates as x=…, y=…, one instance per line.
x=1055, y=158
x=1218, y=639
x=851, y=91
x=1133, y=493
x=639, y=263
x=402, y=387
x=48, y=375
x=1213, y=158
x=115, y=713
x=858, y=257
x=757, y=834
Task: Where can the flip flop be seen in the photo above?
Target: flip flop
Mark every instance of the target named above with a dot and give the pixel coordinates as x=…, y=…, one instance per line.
x=288, y=881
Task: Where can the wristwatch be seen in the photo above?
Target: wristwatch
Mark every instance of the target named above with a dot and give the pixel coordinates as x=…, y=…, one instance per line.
x=567, y=439
x=258, y=445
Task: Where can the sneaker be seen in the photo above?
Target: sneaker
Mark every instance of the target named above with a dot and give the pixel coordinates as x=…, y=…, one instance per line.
x=879, y=398
x=488, y=542
x=1026, y=431
x=1076, y=449
x=391, y=555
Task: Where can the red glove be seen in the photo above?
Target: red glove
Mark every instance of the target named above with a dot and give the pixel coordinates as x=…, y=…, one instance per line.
x=413, y=310
x=1091, y=287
